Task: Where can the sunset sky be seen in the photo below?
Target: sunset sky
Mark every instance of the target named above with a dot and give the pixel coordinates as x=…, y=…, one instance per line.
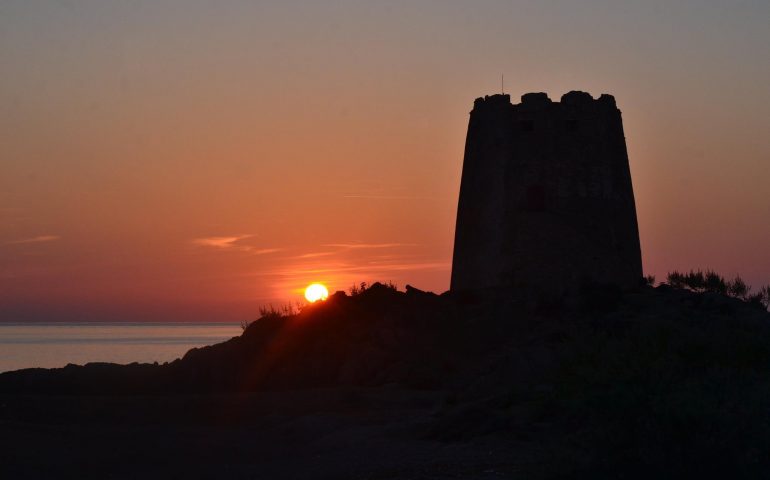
x=189, y=160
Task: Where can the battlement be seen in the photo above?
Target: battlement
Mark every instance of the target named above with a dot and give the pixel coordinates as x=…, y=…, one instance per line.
x=531, y=100
x=496, y=100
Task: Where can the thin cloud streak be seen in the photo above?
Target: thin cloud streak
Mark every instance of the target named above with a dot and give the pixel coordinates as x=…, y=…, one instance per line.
x=231, y=243
x=369, y=245
x=390, y=197
x=220, y=242
x=384, y=267
x=351, y=246
x=38, y=239
x=301, y=271
x=315, y=254
x=261, y=251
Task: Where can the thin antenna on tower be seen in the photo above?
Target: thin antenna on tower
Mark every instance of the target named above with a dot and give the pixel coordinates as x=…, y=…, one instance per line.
x=502, y=83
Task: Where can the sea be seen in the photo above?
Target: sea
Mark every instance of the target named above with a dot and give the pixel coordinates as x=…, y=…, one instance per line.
x=53, y=345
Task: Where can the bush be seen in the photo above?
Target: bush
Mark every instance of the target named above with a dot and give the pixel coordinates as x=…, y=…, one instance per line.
x=675, y=279
x=710, y=281
x=696, y=281
x=714, y=283
x=358, y=289
x=738, y=288
x=269, y=311
x=363, y=286
x=761, y=298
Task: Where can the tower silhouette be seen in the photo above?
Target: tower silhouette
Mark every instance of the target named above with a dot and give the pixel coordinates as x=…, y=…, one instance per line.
x=546, y=199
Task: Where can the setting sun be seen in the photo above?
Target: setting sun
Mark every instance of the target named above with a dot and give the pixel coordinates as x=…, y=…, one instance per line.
x=316, y=292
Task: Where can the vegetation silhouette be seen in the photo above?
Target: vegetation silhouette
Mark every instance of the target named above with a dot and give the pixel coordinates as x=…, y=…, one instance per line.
x=710, y=281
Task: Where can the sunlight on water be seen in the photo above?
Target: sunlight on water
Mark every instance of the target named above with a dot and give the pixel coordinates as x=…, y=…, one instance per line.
x=55, y=345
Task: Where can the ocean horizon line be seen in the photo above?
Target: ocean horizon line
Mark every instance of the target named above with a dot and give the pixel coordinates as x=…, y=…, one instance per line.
x=17, y=323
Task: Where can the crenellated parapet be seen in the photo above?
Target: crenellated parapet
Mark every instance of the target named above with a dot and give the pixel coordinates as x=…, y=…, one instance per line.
x=540, y=99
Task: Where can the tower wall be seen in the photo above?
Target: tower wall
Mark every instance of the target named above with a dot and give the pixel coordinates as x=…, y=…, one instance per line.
x=546, y=198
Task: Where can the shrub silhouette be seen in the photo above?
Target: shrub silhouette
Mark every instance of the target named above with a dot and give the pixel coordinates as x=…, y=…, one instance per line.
x=712, y=282
x=696, y=280
x=676, y=279
x=357, y=289
x=271, y=312
x=738, y=288
x=761, y=298
x=715, y=283
x=363, y=286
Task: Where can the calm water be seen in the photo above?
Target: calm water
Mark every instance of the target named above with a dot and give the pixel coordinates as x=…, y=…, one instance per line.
x=55, y=345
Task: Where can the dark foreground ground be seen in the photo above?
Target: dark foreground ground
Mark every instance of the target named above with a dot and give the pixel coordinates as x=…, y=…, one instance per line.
x=377, y=433
x=657, y=383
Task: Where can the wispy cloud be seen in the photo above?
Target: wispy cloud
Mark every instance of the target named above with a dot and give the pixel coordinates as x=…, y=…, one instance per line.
x=261, y=251
x=233, y=242
x=220, y=242
x=303, y=271
x=38, y=239
x=315, y=254
x=369, y=245
x=387, y=197
x=342, y=247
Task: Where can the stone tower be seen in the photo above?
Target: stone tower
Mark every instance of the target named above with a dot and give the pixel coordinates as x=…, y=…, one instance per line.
x=546, y=199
